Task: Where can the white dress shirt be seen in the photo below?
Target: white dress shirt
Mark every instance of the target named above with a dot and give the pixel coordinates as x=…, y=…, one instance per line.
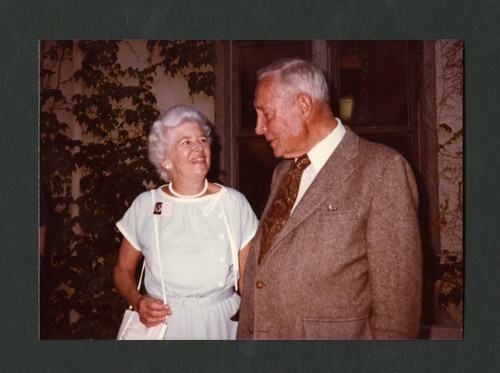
x=318, y=155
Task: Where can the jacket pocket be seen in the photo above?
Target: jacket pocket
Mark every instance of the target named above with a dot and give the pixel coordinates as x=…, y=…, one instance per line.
x=353, y=328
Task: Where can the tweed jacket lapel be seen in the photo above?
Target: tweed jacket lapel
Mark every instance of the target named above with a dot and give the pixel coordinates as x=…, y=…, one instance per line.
x=336, y=170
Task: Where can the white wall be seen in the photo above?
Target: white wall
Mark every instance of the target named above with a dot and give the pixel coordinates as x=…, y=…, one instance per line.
x=169, y=90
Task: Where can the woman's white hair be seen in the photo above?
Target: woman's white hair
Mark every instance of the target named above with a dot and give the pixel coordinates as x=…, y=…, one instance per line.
x=159, y=135
x=300, y=76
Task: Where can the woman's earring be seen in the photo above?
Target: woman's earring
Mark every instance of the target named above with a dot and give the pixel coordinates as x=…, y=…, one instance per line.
x=168, y=165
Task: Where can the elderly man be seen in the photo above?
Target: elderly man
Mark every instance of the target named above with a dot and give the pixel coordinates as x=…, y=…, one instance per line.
x=337, y=254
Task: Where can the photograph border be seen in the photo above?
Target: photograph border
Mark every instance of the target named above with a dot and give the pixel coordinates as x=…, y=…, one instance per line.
x=23, y=25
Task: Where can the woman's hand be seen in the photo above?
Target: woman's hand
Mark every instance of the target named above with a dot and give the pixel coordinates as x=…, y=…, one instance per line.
x=152, y=311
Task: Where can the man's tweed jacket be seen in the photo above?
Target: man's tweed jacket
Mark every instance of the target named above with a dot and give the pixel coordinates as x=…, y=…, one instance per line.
x=348, y=262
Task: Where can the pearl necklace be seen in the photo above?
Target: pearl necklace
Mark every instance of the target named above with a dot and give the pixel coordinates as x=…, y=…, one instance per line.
x=191, y=196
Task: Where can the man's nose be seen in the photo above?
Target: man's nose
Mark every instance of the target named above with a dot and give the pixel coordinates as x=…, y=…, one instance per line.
x=260, y=128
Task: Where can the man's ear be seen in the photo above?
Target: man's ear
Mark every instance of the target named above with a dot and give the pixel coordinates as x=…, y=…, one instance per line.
x=305, y=105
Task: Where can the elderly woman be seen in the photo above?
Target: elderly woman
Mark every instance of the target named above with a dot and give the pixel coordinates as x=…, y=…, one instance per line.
x=204, y=233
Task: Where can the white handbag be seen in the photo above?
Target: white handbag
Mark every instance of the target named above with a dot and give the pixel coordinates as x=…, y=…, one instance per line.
x=131, y=327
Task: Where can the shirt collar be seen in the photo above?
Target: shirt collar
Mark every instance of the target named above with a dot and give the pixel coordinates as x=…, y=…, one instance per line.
x=320, y=153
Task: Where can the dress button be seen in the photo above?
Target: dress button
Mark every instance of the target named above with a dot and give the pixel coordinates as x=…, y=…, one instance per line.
x=220, y=216
x=259, y=284
x=250, y=329
x=221, y=259
x=221, y=236
x=220, y=283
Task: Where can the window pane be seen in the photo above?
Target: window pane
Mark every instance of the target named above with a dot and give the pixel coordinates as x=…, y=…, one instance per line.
x=373, y=83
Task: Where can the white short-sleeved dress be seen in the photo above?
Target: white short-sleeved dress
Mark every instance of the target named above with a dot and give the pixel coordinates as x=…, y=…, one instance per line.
x=196, y=257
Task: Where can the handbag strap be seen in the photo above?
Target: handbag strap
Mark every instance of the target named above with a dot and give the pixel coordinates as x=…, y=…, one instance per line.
x=140, y=281
x=142, y=275
x=158, y=247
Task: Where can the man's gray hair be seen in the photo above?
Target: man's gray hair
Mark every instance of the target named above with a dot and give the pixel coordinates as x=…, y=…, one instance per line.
x=303, y=76
x=159, y=135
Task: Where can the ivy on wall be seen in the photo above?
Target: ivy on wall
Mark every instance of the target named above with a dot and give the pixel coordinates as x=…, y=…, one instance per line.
x=115, y=108
x=449, y=284
x=450, y=151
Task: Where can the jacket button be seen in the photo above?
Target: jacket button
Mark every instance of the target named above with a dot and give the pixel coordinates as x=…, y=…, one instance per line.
x=250, y=329
x=259, y=284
